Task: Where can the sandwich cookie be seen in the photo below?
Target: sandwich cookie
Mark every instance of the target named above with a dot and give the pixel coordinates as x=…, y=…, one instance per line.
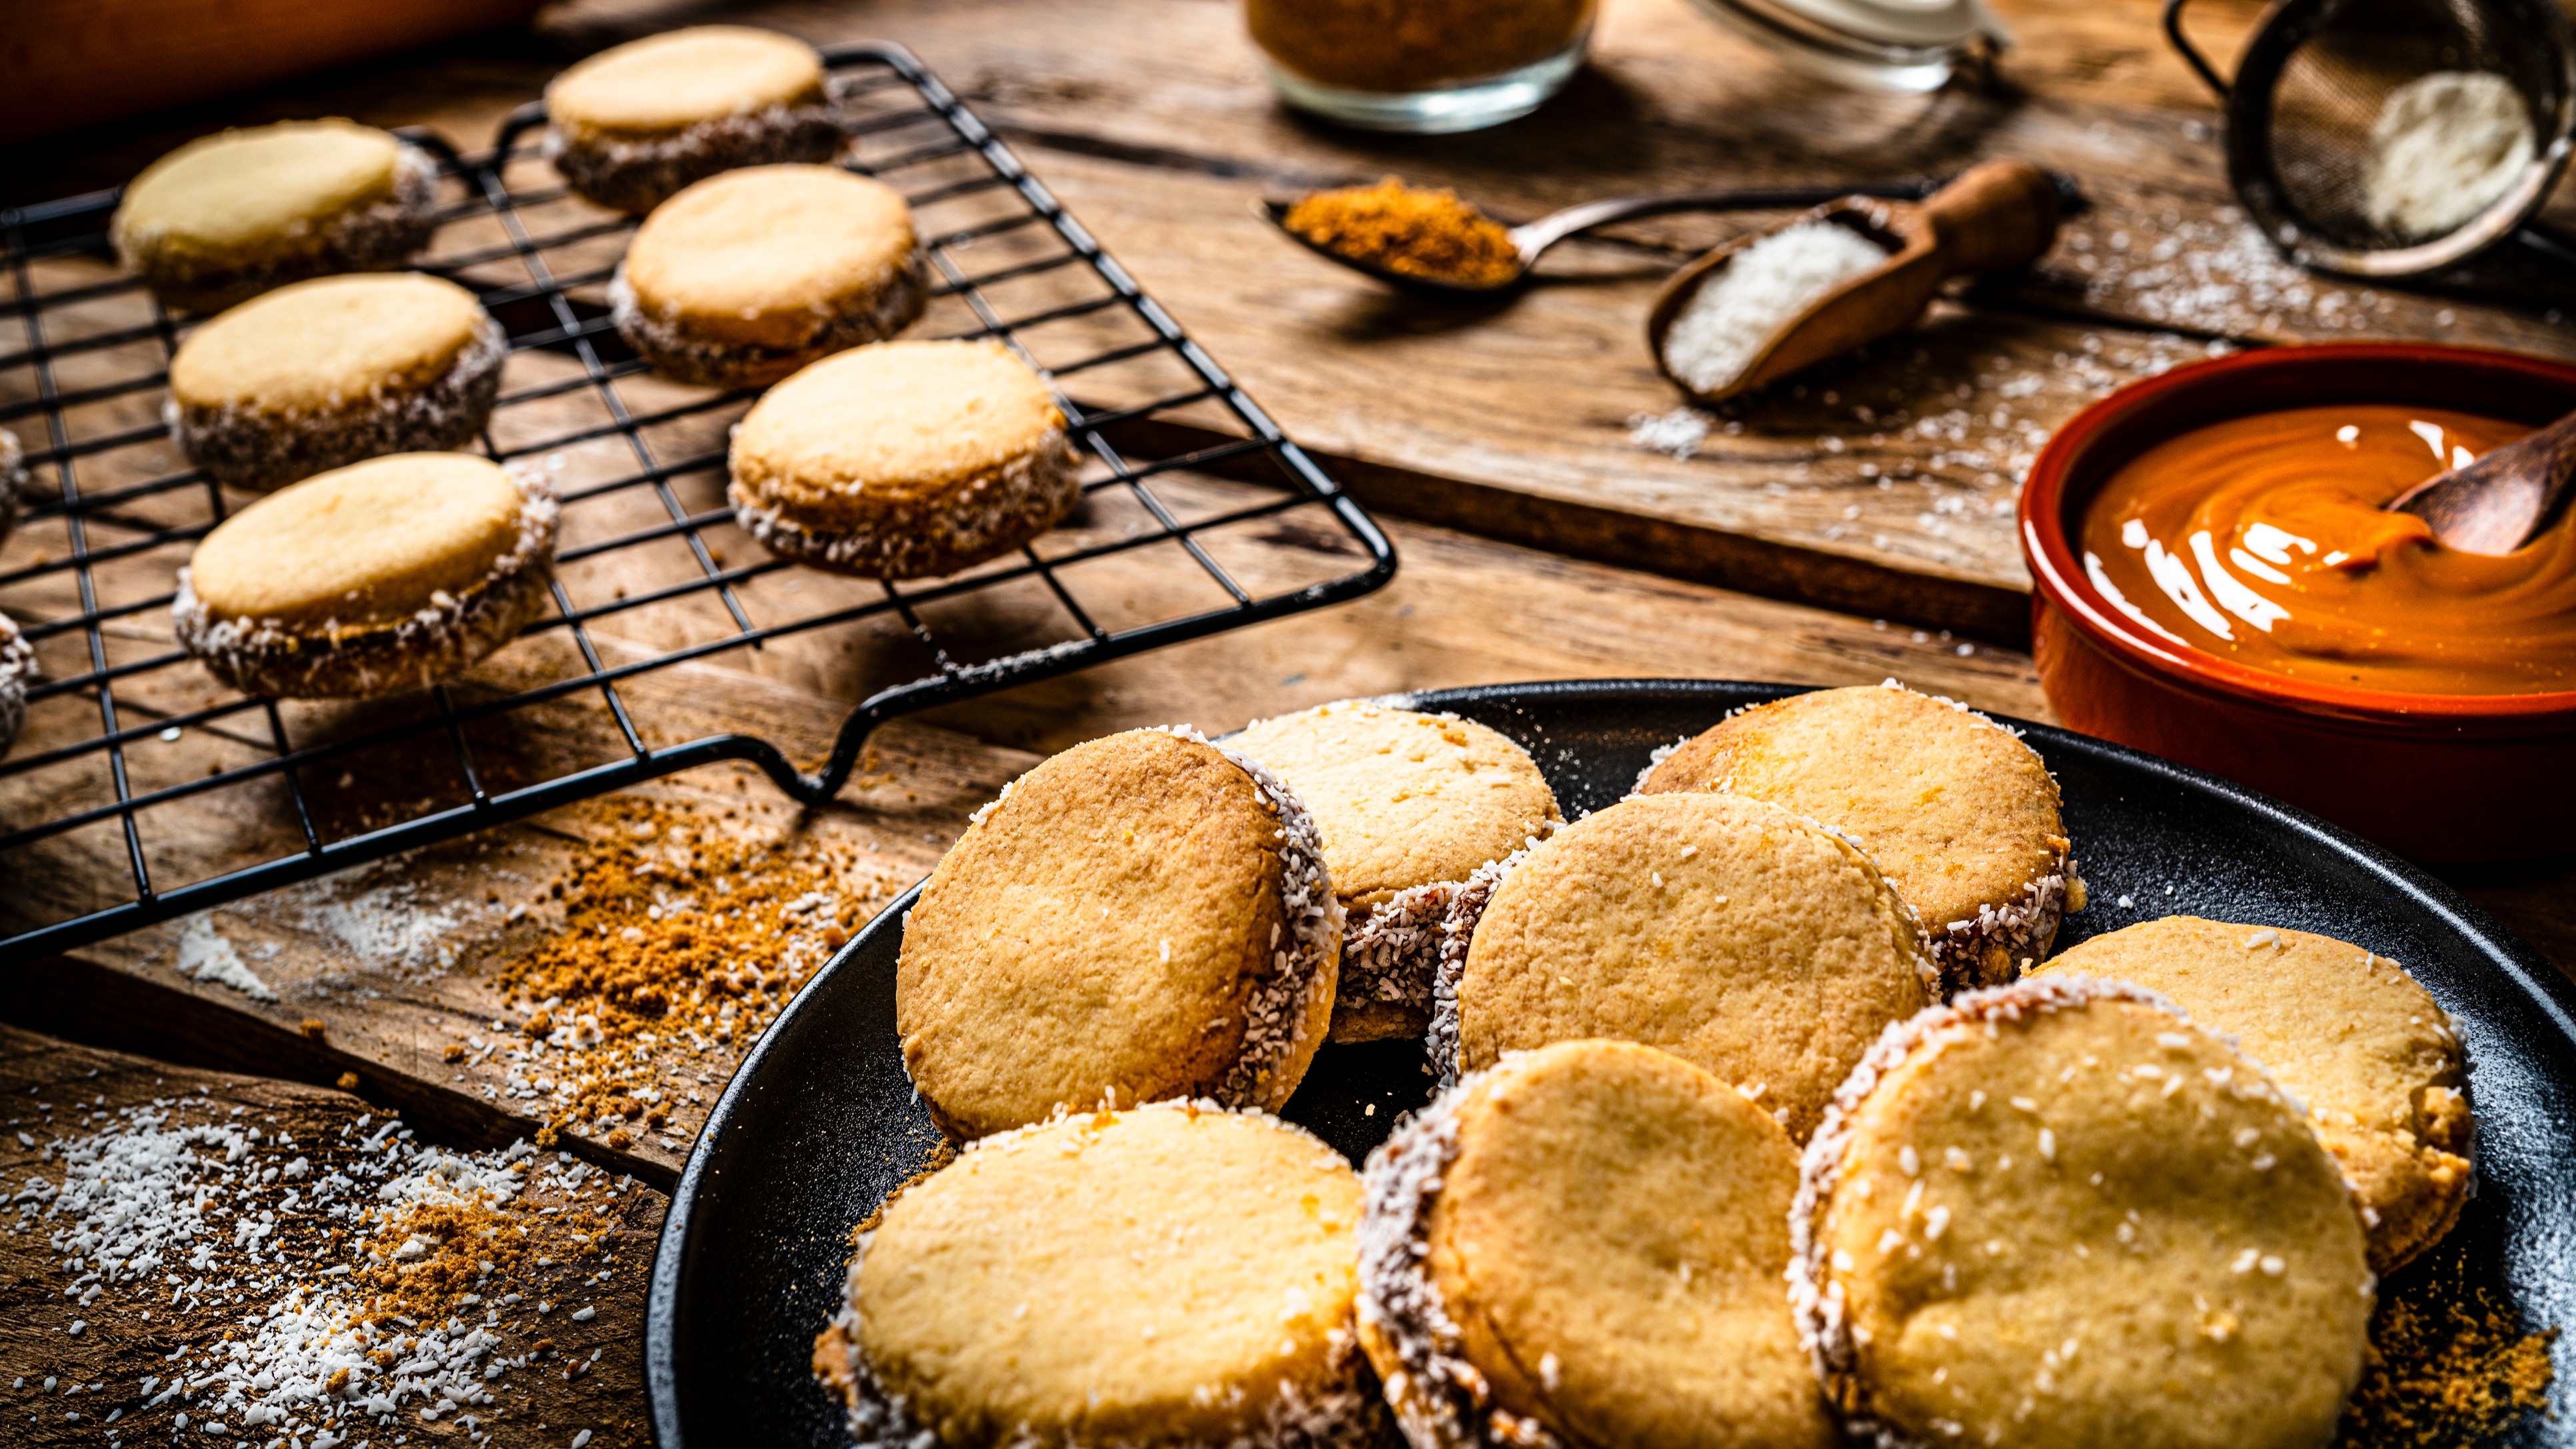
x=1955, y=808
x=1172, y=1275
x=383, y=576
x=1755, y=945
x=1410, y=805
x=1142, y=917
x=226, y=217
x=17, y=671
x=2057, y=1213
x=633, y=125
x=903, y=460
x=1584, y=1245
x=745, y=277
x=2349, y=1033
x=325, y=373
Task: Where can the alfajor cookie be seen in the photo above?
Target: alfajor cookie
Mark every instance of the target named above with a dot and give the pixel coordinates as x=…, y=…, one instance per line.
x=1955, y=808
x=1143, y=916
x=1409, y=806
x=1164, y=1276
x=2057, y=1213
x=903, y=460
x=633, y=125
x=383, y=576
x=745, y=277
x=2349, y=1033
x=325, y=373
x=17, y=671
x=226, y=217
x=1584, y=1245
x=1747, y=941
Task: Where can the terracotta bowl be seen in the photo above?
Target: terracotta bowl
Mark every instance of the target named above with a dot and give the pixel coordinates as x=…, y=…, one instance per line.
x=2435, y=776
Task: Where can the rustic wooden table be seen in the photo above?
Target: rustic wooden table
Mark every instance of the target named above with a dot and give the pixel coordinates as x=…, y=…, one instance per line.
x=1854, y=526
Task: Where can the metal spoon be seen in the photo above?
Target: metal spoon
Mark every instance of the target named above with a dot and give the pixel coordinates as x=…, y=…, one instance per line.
x=2495, y=504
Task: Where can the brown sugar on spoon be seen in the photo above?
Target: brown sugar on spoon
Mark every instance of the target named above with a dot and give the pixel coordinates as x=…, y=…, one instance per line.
x=1416, y=231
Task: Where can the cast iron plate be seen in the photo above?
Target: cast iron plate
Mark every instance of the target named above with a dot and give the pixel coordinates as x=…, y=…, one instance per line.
x=821, y=1122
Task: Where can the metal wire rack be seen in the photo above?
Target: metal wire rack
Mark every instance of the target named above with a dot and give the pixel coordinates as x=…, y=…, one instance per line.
x=1199, y=516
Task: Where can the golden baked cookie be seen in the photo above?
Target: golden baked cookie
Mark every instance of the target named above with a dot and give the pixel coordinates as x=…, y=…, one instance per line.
x=1168, y=1275
x=2348, y=1033
x=1955, y=808
x=903, y=460
x=17, y=671
x=1143, y=916
x=745, y=277
x=1750, y=943
x=1584, y=1245
x=226, y=217
x=322, y=374
x=2056, y=1213
x=383, y=576
x=1410, y=805
x=631, y=126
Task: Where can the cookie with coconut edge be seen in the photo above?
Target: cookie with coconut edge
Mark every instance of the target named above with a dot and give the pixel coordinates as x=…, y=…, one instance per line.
x=320, y=374
x=1172, y=1275
x=1410, y=806
x=2056, y=1213
x=903, y=460
x=229, y=216
x=745, y=277
x=1584, y=1245
x=1141, y=917
x=17, y=671
x=383, y=576
x=634, y=125
x=2349, y=1033
x=13, y=481
x=1751, y=943
x=1960, y=814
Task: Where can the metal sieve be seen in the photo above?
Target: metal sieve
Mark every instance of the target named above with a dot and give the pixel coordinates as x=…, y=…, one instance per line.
x=2323, y=98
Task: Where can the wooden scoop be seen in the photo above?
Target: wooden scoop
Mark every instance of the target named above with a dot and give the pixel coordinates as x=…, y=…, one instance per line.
x=1995, y=217
x=2495, y=504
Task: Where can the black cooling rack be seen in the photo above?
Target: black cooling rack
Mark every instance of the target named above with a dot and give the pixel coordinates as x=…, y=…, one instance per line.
x=136, y=762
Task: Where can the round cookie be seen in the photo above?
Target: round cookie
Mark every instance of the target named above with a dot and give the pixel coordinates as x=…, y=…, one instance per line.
x=1410, y=805
x=2349, y=1033
x=745, y=277
x=325, y=373
x=226, y=217
x=1955, y=808
x=633, y=125
x=1750, y=943
x=17, y=671
x=903, y=460
x=1584, y=1245
x=1141, y=917
x=1167, y=1275
x=383, y=576
x=2058, y=1214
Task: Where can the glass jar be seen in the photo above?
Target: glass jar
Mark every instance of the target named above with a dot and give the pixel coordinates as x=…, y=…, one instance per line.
x=1898, y=45
x=1426, y=66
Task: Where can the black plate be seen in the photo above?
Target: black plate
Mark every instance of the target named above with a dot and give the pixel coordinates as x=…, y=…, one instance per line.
x=821, y=1122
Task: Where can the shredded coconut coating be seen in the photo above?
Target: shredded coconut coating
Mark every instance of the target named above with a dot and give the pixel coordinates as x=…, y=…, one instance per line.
x=1440, y=1400
x=676, y=354
x=17, y=671
x=250, y=447
x=992, y=513
x=2022, y=928
x=381, y=237
x=1457, y=933
x=1344, y=1417
x=1393, y=951
x=269, y=657
x=14, y=481
x=636, y=175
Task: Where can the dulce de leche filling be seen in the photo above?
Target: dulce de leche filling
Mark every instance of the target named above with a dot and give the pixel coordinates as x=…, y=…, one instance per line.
x=2263, y=540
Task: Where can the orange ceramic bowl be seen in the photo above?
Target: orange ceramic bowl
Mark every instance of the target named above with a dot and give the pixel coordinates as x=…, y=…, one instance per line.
x=2440, y=777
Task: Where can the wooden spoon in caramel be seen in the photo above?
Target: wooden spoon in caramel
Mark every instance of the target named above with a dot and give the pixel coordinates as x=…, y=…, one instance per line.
x=2495, y=504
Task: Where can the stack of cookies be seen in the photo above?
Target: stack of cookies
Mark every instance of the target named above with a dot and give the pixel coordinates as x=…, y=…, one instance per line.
x=1767, y=1119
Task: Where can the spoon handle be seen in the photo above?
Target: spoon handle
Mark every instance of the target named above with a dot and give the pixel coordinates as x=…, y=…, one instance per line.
x=1995, y=217
x=1535, y=237
x=2497, y=503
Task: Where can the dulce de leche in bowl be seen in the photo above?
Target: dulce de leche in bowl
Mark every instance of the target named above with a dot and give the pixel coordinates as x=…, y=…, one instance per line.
x=2216, y=580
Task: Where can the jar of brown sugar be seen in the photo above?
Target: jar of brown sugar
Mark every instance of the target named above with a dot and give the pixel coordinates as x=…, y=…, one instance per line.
x=1420, y=65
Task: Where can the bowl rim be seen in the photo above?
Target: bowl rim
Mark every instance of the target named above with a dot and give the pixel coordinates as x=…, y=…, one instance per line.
x=2058, y=578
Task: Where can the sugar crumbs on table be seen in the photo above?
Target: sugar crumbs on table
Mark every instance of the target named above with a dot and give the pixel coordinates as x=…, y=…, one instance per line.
x=1418, y=231
x=2459, y=1372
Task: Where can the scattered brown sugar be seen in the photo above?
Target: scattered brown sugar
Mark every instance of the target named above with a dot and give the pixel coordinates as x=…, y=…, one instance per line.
x=2458, y=1372
x=1418, y=231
